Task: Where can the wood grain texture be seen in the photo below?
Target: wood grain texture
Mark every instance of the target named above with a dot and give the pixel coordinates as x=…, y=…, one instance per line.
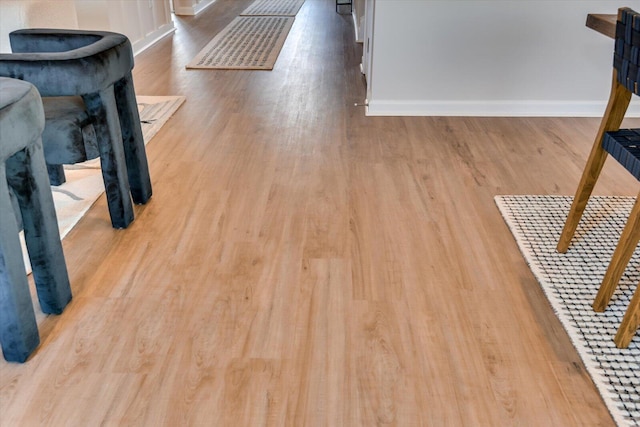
x=302, y=264
x=630, y=321
x=603, y=23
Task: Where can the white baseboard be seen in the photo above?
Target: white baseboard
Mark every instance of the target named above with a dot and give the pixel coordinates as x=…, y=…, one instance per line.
x=153, y=37
x=195, y=9
x=494, y=108
x=356, y=27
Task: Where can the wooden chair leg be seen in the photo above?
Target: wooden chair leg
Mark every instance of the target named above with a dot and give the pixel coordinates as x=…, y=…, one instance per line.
x=630, y=322
x=616, y=108
x=621, y=256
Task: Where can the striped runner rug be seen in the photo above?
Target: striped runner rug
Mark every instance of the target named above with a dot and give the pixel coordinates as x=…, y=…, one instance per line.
x=247, y=43
x=273, y=8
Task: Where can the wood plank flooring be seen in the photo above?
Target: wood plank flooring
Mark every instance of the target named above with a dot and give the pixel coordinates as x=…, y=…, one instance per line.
x=301, y=264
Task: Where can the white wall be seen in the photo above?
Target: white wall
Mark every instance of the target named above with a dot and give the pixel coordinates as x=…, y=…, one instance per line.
x=17, y=14
x=143, y=21
x=476, y=57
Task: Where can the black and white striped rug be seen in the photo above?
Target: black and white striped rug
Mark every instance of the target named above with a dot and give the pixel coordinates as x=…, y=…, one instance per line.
x=273, y=8
x=247, y=43
x=571, y=282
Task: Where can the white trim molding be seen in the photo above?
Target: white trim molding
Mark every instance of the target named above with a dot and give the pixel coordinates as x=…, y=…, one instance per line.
x=356, y=26
x=494, y=108
x=193, y=10
x=153, y=37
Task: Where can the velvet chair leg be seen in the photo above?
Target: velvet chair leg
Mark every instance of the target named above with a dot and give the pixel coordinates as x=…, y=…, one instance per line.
x=102, y=108
x=18, y=328
x=617, y=106
x=28, y=177
x=56, y=174
x=133, y=141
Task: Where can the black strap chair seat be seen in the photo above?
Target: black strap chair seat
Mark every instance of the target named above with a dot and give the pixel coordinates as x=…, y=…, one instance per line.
x=624, y=146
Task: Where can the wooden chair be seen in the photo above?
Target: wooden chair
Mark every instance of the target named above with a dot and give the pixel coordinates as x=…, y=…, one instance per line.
x=622, y=145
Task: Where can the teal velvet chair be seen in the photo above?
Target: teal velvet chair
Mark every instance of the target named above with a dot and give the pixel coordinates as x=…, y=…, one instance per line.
x=84, y=78
x=26, y=200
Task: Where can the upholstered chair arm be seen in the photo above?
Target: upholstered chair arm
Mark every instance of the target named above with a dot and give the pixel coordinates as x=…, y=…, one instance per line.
x=50, y=40
x=92, y=62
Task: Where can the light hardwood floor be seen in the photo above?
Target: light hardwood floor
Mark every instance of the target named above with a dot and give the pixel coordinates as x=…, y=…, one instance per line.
x=301, y=264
